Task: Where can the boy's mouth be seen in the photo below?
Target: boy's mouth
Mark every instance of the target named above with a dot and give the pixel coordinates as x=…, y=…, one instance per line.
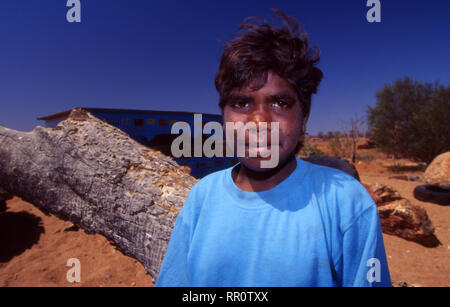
x=269, y=143
x=255, y=147
x=260, y=151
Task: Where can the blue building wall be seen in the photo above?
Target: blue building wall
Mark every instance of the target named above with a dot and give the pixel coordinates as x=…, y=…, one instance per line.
x=153, y=129
x=146, y=126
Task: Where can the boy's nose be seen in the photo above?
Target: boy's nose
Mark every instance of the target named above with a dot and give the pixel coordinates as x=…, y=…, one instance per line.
x=260, y=113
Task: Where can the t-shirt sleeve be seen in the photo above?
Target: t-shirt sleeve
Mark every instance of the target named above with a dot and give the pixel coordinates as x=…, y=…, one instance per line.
x=174, y=269
x=364, y=261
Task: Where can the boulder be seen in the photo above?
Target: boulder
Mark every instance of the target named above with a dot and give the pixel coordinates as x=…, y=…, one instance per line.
x=438, y=172
x=403, y=219
x=399, y=217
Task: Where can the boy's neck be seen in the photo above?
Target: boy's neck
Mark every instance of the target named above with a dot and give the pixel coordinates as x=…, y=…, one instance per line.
x=251, y=181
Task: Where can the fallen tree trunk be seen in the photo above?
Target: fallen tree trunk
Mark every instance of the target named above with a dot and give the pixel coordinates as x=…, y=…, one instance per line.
x=96, y=176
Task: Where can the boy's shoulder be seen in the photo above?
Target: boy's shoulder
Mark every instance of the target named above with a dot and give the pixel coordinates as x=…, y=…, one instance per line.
x=211, y=181
x=334, y=176
x=212, y=178
x=201, y=193
x=333, y=164
x=330, y=169
x=339, y=192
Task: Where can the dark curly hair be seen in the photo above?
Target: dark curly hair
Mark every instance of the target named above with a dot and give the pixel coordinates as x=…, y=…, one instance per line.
x=260, y=48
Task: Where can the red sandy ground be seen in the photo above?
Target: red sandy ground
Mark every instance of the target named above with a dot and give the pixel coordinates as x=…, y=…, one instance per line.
x=43, y=261
x=40, y=259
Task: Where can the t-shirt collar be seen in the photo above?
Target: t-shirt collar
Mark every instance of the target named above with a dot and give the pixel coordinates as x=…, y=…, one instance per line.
x=269, y=197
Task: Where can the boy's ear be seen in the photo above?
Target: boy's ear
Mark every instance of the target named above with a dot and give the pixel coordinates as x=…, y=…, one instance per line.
x=303, y=128
x=305, y=120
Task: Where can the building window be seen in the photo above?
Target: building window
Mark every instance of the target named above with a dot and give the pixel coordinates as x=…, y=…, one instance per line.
x=201, y=165
x=139, y=122
x=150, y=121
x=163, y=122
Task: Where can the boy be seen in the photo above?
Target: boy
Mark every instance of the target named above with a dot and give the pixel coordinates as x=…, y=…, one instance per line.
x=295, y=224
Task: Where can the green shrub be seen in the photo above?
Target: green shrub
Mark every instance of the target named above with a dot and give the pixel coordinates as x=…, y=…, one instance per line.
x=411, y=120
x=340, y=147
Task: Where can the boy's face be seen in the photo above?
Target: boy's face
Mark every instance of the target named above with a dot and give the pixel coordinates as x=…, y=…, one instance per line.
x=276, y=101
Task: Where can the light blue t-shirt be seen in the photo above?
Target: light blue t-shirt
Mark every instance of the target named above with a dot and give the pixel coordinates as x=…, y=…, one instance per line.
x=318, y=227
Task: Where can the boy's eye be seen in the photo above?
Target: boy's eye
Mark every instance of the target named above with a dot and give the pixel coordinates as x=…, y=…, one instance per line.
x=280, y=104
x=240, y=104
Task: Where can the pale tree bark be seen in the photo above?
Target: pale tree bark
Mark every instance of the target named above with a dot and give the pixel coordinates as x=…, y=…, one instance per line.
x=96, y=176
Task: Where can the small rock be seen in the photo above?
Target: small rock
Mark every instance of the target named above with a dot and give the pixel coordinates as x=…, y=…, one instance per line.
x=385, y=193
x=404, y=284
x=401, y=284
x=415, y=178
x=133, y=284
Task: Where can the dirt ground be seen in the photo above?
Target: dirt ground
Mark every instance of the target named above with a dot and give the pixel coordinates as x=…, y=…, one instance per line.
x=35, y=248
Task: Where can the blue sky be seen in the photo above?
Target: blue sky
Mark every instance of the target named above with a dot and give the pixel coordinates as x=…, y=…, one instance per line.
x=163, y=55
